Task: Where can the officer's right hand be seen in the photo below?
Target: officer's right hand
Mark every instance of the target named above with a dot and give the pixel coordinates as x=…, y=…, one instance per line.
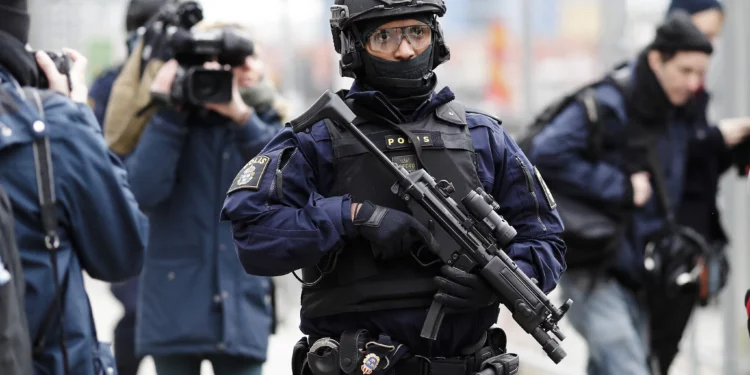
x=392, y=233
x=59, y=82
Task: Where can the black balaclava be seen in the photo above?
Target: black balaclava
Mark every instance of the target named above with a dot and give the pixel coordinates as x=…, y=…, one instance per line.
x=14, y=34
x=406, y=99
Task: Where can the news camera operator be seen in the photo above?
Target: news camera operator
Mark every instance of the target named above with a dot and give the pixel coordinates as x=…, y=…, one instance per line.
x=196, y=301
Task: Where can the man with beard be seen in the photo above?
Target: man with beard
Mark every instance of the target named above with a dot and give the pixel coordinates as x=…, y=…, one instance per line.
x=610, y=310
x=317, y=201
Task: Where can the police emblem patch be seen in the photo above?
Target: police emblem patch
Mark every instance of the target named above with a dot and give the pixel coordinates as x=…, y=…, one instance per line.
x=251, y=174
x=370, y=363
x=547, y=193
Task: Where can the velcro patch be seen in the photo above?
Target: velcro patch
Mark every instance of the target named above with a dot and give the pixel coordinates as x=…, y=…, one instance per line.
x=251, y=174
x=547, y=193
x=402, y=141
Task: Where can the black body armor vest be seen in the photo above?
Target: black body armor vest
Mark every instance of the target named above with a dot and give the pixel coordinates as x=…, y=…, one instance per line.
x=351, y=279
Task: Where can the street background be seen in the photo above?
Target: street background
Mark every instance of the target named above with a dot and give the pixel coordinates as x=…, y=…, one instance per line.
x=509, y=57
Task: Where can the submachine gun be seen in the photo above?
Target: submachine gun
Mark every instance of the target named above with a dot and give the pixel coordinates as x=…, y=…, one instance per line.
x=475, y=225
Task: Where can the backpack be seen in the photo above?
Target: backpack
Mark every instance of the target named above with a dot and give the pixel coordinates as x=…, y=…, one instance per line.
x=586, y=95
x=591, y=235
x=15, y=345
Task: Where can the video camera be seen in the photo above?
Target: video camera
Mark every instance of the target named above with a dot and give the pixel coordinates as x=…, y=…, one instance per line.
x=169, y=35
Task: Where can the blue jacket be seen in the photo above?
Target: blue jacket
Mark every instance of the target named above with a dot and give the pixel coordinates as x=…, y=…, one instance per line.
x=195, y=297
x=100, y=91
x=277, y=236
x=101, y=229
x=558, y=152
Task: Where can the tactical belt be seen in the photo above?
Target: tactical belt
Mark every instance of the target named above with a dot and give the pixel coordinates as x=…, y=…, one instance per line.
x=356, y=353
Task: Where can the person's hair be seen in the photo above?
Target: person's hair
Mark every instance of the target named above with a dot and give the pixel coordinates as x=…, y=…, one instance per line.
x=667, y=55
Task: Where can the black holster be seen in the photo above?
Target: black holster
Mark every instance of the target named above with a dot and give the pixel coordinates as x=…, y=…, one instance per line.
x=503, y=364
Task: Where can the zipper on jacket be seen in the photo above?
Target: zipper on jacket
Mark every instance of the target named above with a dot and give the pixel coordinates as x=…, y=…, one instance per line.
x=532, y=191
x=276, y=185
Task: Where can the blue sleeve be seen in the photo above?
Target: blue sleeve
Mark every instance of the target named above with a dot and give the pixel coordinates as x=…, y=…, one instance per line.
x=280, y=221
x=109, y=231
x=558, y=151
x=255, y=134
x=524, y=202
x=152, y=166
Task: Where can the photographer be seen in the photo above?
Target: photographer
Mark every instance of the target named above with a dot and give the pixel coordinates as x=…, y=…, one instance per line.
x=89, y=221
x=196, y=301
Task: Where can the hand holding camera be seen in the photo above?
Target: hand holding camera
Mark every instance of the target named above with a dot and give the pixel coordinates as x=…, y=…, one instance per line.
x=236, y=109
x=64, y=73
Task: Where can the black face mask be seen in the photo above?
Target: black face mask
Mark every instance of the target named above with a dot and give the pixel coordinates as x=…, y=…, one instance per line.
x=406, y=84
x=386, y=75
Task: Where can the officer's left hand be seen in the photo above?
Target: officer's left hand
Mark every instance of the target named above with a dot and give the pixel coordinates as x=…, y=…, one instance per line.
x=236, y=110
x=461, y=291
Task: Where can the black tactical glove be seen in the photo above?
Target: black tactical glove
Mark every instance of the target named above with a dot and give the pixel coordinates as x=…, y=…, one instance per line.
x=392, y=233
x=461, y=291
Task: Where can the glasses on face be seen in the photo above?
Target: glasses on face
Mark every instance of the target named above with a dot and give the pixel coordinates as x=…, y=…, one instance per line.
x=388, y=40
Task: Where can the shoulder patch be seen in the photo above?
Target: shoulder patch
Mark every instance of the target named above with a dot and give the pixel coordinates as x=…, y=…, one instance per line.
x=251, y=174
x=547, y=193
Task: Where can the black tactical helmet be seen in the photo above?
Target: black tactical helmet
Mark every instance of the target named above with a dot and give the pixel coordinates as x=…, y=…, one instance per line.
x=345, y=14
x=140, y=11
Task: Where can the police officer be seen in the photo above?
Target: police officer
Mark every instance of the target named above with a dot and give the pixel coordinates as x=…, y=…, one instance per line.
x=100, y=227
x=611, y=311
x=318, y=201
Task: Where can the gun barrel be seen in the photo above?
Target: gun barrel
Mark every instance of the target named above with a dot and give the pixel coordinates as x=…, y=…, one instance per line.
x=551, y=346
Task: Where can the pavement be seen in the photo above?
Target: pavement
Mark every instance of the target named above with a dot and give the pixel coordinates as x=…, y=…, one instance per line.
x=702, y=356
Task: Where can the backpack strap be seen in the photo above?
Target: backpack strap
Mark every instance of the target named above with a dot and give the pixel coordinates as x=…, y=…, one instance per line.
x=620, y=77
x=47, y=200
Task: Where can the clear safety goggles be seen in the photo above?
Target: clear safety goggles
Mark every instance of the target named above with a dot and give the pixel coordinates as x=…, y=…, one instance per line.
x=388, y=40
